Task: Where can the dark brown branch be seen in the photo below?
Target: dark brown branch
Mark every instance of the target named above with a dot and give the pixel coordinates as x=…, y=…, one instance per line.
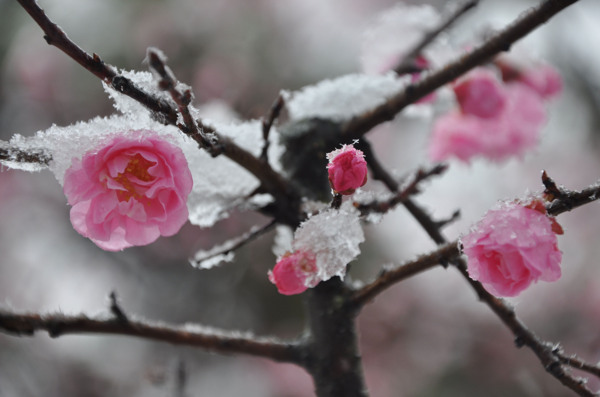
x=55, y=36
x=551, y=358
x=402, y=195
x=574, y=362
x=563, y=200
x=268, y=123
x=380, y=173
x=26, y=324
x=333, y=357
x=407, y=65
x=183, y=99
x=502, y=41
x=545, y=351
x=391, y=276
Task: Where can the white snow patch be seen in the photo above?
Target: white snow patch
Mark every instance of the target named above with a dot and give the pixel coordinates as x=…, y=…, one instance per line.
x=343, y=97
x=333, y=236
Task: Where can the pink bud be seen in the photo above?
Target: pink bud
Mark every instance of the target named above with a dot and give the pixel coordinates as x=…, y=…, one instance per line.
x=347, y=169
x=512, y=247
x=129, y=191
x=480, y=93
x=294, y=272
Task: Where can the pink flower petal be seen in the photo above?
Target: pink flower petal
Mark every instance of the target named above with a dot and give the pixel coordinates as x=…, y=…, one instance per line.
x=347, y=169
x=512, y=247
x=129, y=191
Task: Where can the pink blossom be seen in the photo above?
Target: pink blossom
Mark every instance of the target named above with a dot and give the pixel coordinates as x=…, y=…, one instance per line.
x=540, y=77
x=481, y=94
x=545, y=80
x=347, y=169
x=294, y=272
x=511, y=132
x=129, y=191
x=513, y=246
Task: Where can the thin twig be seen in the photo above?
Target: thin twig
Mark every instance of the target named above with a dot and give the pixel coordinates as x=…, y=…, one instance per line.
x=380, y=173
x=563, y=200
x=402, y=195
x=407, y=65
x=55, y=36
x=231, y=245
x=267, y=123
x=183, y=99
x=115, y=308
x=574, y=362
x=390, y=276
x=359, y=125
x=220, y=341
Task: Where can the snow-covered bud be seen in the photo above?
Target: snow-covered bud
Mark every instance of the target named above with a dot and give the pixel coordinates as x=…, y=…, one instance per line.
x=347, y=169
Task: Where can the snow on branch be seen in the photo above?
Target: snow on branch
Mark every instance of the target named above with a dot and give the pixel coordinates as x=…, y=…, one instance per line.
x=208, y=338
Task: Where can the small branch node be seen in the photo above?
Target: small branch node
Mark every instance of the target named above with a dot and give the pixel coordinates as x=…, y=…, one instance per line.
x=115, y=308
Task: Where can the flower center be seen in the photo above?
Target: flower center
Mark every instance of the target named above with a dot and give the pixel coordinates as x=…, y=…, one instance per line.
x=136, y=168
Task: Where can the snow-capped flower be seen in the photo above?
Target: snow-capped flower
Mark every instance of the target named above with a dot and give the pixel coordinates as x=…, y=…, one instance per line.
x=347, y=169
x=129, y=191
x=294, y=272
x=512, y=247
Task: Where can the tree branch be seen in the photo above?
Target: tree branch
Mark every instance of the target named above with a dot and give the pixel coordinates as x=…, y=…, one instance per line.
x=287, y=201
x=267, y=123
x=407, y=65
x=502, y=41
x=545, y=351
x=33, y=156
x=402, y=195
x=219, y=341
x=390, y=276
x=550, y=357
x=231, y=245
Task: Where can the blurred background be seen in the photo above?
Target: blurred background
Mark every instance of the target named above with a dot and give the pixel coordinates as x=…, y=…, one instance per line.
x=428, y=336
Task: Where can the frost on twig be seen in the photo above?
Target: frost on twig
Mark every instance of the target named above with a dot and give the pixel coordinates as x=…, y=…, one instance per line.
x=195, y=335
x=225, y=252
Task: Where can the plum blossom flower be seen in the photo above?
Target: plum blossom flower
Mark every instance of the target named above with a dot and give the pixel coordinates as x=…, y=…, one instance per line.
x=347, y=169
x=508, y=131
x=542, y=78
x=512, y=247
x=481, y=94
x=129, y=191
x=294, y=272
